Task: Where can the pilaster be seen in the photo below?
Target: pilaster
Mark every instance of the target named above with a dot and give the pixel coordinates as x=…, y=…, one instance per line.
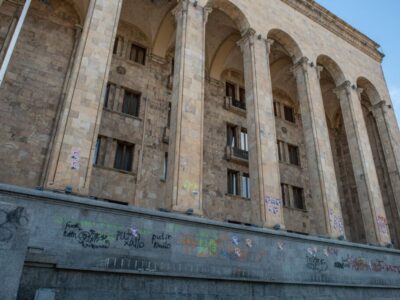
x=184, y=182
x=75, y=139
x=263, y=151
x=325, y=195
x=371, y=203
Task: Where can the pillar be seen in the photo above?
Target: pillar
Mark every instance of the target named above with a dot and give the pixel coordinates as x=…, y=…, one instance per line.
x=184, y=182
x=324, y=188
x=75, y=139
x=371, y=203
x=263, y=149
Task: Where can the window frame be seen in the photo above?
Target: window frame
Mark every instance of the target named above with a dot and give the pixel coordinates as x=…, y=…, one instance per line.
x=123, y=164
x=124, y=105
x=138, y=49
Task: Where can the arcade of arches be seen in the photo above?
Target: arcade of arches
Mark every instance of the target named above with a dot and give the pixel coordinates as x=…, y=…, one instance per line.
x=183, y=106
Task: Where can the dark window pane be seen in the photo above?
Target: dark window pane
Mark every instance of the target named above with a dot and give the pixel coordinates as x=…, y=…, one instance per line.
x=131, y=104
x=165, y=171
x=275, y=109
x=242, y=95
x=118, y=39
x=233, y=177
x=289, y=114
x=294, y=155
x=230, y=90
x=231, y=135
x=169, y=115
x=107, y=95
x=97, y=151
x=244, y=145
x=284, y=195
x=298, y=198
x=124, y=157
x=138, y=54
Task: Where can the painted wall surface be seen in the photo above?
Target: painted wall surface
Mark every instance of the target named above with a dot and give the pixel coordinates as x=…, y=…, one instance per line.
x=73, y=235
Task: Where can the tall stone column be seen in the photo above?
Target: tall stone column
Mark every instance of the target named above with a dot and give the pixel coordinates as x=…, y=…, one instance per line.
x=389, y=136
x=263, y=149
x=371, y=203
x=325, y=194
x=75, y=139
x=184, y=182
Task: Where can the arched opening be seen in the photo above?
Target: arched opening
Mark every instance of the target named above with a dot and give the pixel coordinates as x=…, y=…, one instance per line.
x=295, y=183
x=331, y=77
x=131, y=156
x=226, y=175
x=32, y=91
x=370, y=101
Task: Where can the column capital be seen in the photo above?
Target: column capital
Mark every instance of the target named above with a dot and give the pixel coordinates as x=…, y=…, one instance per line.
x=302, y=63
x=206, y=12
x=180, y=9
x=247, y=38
x=269, y=43
x=345, y=87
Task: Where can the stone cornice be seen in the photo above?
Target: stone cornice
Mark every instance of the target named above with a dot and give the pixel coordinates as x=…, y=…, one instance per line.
x=336, y=25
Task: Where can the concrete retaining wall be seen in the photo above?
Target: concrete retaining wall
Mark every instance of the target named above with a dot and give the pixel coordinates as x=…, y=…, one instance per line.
x=83, y=248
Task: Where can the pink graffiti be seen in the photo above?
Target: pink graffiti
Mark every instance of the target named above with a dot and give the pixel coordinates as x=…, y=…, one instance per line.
x=382, y=225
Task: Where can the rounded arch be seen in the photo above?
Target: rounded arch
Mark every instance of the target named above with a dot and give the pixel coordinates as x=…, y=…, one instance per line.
x=333, y=69
x=81, y=7
x=164, y=35
x=223, y=51
x=231, y=10
x=369, y=89
x=288, y=43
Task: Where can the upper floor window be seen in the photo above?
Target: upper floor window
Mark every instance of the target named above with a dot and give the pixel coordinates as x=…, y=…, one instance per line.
x=242, y=95
x=124, y=156
x=233, y=182
x=165, y=166
x=231, y=136
x=131, y=103
x=294, y=157
x=289, y=114
x=138, y=54
x=298, y=198
x=118, y=41
x=230, y=90
x=244, y=145
x=285, y=194
x=245, y=188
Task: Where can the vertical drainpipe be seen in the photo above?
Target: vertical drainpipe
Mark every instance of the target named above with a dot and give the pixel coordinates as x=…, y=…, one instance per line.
x=14, y=39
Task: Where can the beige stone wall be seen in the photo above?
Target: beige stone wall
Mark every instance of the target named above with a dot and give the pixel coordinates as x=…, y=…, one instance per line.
x=30, y=94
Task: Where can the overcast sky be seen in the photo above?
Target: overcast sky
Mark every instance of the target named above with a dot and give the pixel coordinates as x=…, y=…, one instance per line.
x=380, y=20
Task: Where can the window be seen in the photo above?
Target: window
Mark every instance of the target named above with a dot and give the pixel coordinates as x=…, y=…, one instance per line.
x=233, y=178
x=243, y=140
x=281, y=151
x=138, y=54
x=97, y=151
x=231, y=90
x=117, y=41
x=165, y=169
x=242, y=95
x=231, y=135
x=276, y=109
x=169, y=115
x=172, y=67
x=285, y=195
x=124, y=156
x=298, y=198
x=289, y=114
x=107, y=94
x=131, y=103
x=294, y=157
x=246, y=186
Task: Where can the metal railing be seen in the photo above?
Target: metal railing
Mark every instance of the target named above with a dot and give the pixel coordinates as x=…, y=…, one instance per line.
x=240, y=153
x=239, y=104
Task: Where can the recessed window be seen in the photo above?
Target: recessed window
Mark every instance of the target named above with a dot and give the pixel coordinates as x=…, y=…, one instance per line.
x=233, y=182
x=285, y=194
x=244, y=145
x=231, y=136
x=289, y=114
x=131, y=103
x=107, y=94
x=230, y=90
x=165, y=167
x=294, y=157
x=298, y=198
x=138, y=54
x=169, y=115
x=117, y=42
x=97, y=151
x=245, y=186
x=124, y=156
x=276, y=109
x=242, y=95
x=281, y=151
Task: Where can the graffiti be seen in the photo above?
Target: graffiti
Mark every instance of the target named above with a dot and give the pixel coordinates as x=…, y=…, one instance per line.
x=134, y=231
x=189, y=186
x=312, y=251
x=360, y=264
x=273, y=205
x=131, y=240
x=316, y=264
x=336, y=221
x=86, y=238
x=237, y=252
x=249, y=243
x=382, y=225
x=10, y=221
x=280, y=245
x=161, y=241
x=235, y=240
x=75, y=159
x=331, y=251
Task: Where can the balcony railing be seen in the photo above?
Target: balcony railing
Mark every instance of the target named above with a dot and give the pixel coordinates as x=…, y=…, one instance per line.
x=236, y=106
x=239, y=104
x=237, y=155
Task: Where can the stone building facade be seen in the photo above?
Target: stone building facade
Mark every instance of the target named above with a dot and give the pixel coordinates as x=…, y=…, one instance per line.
x=268, y=113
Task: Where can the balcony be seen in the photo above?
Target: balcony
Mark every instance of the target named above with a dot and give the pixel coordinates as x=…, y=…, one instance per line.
x=237, y=155
x=236, y=106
